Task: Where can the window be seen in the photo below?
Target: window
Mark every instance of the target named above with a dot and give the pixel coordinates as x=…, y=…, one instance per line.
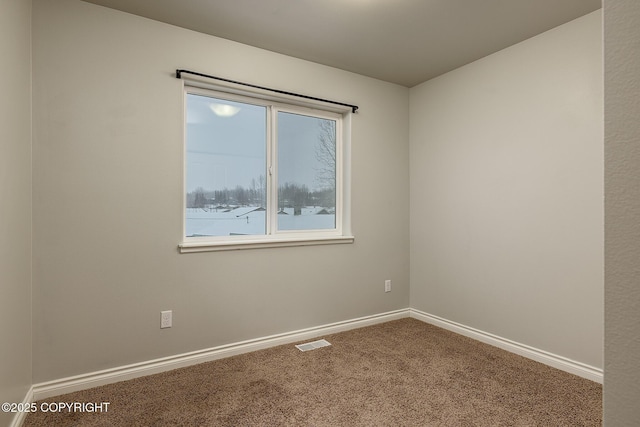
x=261, y=173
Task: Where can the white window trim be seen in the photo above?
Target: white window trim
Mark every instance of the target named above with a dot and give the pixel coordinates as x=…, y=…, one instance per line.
x=281, y=238
x=271, y=242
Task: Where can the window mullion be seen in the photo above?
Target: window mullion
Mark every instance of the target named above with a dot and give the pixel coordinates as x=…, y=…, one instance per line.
x=272, y=171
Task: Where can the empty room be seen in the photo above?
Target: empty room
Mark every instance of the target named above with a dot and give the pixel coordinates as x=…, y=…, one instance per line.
x=437, y=201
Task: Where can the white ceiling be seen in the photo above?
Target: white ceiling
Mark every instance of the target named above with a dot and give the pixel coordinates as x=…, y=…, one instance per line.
x=401, y=41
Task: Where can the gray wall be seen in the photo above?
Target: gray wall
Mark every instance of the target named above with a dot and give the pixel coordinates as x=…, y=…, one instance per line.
x=15, y=202
x=622, y=212
x=108, y=167
x=506, y=193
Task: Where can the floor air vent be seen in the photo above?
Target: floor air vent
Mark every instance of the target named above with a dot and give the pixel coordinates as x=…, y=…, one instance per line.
x=313, y=345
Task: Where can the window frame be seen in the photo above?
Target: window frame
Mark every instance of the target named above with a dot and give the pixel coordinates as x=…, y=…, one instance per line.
x=274, y=237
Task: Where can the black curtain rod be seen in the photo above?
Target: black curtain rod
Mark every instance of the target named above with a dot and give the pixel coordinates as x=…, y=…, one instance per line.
x=354, y=108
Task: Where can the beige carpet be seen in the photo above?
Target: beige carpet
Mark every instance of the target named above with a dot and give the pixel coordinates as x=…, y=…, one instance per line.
x=400, y=373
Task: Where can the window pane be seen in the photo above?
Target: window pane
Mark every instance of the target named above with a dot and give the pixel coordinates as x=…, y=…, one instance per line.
x=306, y=172
x=226, y=167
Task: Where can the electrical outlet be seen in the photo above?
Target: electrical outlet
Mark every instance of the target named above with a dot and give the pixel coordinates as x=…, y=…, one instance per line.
x=166, y=319
x=387, y=285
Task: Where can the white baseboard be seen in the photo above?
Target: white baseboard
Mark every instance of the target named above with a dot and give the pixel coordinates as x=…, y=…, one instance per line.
x=19, y=417
x=550, y=359
x=108, y=376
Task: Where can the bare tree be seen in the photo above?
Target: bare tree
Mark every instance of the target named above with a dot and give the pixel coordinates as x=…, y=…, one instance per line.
x=199, y=198
x=262, y=187
x=325, y=153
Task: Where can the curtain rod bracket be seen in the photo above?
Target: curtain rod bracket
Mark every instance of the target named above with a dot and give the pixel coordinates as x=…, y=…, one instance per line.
x=179, y=72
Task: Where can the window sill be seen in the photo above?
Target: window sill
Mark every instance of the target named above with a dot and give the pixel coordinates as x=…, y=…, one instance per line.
x=209, y=246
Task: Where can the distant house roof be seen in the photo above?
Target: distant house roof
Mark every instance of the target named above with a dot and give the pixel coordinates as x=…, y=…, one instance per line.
x=247, y=210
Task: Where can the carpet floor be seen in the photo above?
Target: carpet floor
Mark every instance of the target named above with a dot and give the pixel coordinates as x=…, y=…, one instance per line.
x=400, y=373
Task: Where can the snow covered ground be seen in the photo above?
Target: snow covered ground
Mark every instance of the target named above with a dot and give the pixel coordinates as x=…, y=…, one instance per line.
x=251, y=220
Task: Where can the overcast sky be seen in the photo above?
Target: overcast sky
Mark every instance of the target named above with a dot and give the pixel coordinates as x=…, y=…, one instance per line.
x=230, y=151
